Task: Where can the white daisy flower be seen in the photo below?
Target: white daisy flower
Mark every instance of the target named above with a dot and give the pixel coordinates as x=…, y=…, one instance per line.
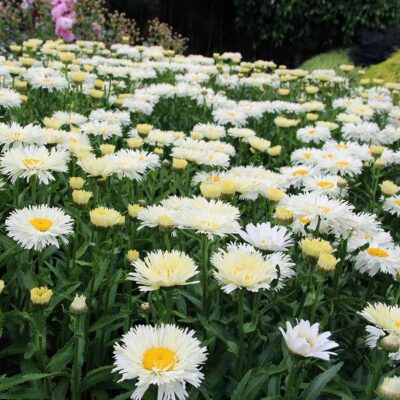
x=326, y=184
x=378, y=258
x=9, y=98
x=305, y=340
x=166, y=356
x=163, y=269
x=70, y=118
x=100, y=128
x=111, y=117
x=315, y=134
x=16, y=135
x=267, y=237
x=25, y=162
x=392, y=205
x=210, y=217
x=36, y=227
x=242, y=267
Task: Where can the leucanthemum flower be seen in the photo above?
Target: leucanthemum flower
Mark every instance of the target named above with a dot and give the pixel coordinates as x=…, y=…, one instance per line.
x=157, y=215
x=326, y=184
x=104, y=217
x=313, y=209
x=163, y=269
x=378, y=257
x=166, y=356
x=305, y=340
x=392, y=205
x=210, y=217
x=25, y=162
x=100, y=128
x=315, y=134
x=383, y=316
x=16, y=135
x=36, y=227
x=9, y=98
x=241, y=267
x=267, y=237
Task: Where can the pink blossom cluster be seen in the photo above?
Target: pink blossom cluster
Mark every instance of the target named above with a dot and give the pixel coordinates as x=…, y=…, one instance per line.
x=64, y=16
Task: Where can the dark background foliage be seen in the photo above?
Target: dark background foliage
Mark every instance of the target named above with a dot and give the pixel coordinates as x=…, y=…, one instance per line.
x=288, y=31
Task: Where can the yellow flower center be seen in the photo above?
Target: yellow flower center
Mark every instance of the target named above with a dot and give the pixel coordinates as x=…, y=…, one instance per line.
x=305, y=220
x=397, y=324
x=342, y=163
x=41, y=224
x=300, y=172
x=325, y=184
x=217, y=178
x=312, y=132
x=375, y=252
x=307, y=155
x=166, y=220
x=397, y=202
x=342, y=146
x=16, y=135
x=159, y=358
x=32, y=162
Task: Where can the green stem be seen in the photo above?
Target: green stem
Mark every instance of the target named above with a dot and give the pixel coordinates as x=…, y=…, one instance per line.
x=79, y=351
x=241, y=353
x=167, y=242
x=169, y=304
x=316, y=300
x=204, y=272
x=33, y=188
x=291, y=389
x=377, y=372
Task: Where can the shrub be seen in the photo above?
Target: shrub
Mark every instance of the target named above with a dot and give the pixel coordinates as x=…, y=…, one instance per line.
x=316, y=24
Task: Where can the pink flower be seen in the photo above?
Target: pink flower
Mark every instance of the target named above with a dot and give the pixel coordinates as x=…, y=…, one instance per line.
x=64, y=17
x=59, y=10
x=65, y=23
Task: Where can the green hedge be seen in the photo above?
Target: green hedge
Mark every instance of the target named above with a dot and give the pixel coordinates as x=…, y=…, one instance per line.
x=312, y=24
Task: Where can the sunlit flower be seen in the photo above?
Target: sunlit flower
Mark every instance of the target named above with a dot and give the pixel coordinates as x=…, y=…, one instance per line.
x=36, y=227
x=163, y=269
x=26, y=162
x=166, y=356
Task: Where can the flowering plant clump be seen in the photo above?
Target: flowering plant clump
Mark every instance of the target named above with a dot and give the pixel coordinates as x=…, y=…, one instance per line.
x=83, y=19
x=64, y=17
x=187, y=227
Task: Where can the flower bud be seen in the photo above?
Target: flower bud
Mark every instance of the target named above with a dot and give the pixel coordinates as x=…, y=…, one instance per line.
x=179, y=164
x=76, y=182
x=210, y=190
x=134, y=209
x=78, y=305
x=390, y=343
x=41, y=295
x=132, y=255
x=389, y=188
x=81, y=197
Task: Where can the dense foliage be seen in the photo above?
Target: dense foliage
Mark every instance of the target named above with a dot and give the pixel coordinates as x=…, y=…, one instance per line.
x=316, y=24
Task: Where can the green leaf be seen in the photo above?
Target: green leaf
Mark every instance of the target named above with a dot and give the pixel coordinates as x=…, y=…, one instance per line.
x=314, y=389
x=7, y=383
x=96, y=376
x=62, y=358
x=251, y=384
